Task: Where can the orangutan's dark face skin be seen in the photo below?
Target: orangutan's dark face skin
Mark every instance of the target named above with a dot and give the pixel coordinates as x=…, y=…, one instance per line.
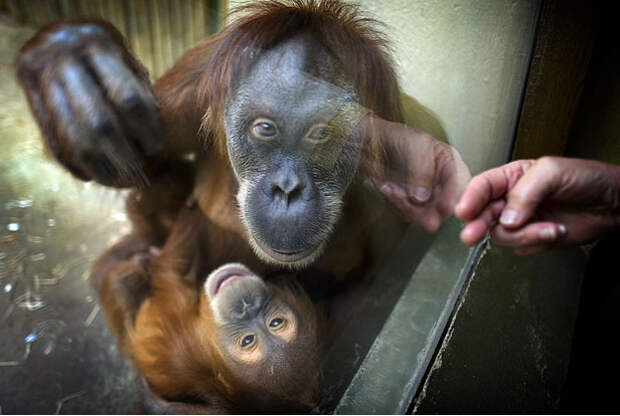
x=265, y=332
x=292, y=165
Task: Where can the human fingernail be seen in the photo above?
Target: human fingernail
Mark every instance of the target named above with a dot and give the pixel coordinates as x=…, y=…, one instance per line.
x=420, y=193
x=457, y=208
x=509, y=217
x=547, y=233
x=386, y=189
x=562, y=229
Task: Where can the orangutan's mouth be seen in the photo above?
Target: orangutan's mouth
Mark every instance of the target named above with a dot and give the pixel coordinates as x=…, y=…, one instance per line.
x=224, y=275
x=285, y=256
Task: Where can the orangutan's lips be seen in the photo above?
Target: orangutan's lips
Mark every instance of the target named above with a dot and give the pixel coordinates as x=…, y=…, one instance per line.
x=225, y=281
x=287, y=256
x=224, y=276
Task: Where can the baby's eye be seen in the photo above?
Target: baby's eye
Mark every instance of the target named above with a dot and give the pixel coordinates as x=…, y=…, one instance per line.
x=247, y=341
x=275, y=323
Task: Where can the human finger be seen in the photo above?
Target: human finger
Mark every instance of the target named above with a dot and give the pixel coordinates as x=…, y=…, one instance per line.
x=527, y=194
x=475, y=230
x=538, y=233
x=488, y=186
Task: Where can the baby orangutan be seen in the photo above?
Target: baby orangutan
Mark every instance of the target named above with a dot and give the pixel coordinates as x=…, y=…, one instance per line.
x=233, y=342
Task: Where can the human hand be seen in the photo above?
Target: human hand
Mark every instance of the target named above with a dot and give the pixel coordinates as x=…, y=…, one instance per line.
x=534, y=205
x=423, y=177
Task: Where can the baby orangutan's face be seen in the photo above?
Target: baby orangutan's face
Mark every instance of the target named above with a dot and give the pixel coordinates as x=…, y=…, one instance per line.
x=239, y=343
x=266, y=332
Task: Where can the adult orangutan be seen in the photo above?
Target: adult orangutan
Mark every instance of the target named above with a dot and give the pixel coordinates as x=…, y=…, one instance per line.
x=283, y=127
x=290, y=115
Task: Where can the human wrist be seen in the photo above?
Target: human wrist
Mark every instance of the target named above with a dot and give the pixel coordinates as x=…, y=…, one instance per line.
x=613, y=173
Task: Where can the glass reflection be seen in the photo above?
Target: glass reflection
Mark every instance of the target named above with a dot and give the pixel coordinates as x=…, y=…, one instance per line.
x=246, y=274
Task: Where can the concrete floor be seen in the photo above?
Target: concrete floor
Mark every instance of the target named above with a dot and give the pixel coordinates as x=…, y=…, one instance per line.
x=56, y=354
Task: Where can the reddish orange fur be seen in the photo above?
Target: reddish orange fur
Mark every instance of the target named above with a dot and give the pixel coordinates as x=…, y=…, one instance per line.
x=206, y=75
x=193, y=94
x=170, y=337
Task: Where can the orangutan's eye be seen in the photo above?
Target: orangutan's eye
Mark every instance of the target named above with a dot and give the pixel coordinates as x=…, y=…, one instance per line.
x=317, y=134
x=264, y=129
x=275, y=323
x=247, y=341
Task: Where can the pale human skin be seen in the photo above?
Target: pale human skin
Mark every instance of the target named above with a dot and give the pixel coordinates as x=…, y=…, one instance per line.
x=536, y=205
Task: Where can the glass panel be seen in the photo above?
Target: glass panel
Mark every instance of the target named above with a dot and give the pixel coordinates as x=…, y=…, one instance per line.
x=466, y=65
x=288, y=242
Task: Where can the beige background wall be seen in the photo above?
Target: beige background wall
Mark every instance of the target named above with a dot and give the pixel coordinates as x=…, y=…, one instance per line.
x=467, y=62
